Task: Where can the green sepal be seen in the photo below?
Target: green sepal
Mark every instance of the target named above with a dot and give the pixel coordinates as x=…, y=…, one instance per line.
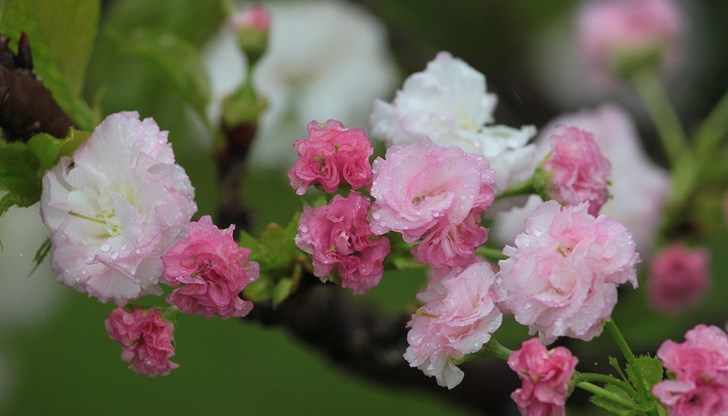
x=48, y=150
x=40, y=255
x=283, y=289
x=259, y=291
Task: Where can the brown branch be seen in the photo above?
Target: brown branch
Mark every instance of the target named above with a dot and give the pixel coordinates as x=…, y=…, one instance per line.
x=26, y=105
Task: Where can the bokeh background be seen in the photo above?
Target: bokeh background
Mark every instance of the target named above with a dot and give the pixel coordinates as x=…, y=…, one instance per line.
x=55, y=357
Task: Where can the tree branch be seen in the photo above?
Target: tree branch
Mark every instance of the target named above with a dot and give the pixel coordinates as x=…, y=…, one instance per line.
x=26, y=105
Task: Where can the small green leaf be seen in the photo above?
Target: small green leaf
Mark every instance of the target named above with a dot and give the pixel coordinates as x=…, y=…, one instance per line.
x=283, y=290
x=248, y=241
x=48, y=149
x=649, y=368
x=260, y=290
x=41, y=254
x=609, y=405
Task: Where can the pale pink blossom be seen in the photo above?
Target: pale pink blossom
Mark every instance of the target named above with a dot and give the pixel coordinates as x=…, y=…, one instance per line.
x=435, y=193
x=448, y=103
x=255, y=17
x=615, y=33
x=209, y=270
x=562, y=275
x=458, y=317
x=146, y=339
x=545, y=376
x=331, y=154
x=114, y=209
x=679, y=277
x=448, y=245
x=700, y=368
x=339, y=238
x=575, y=170
x=632, y=174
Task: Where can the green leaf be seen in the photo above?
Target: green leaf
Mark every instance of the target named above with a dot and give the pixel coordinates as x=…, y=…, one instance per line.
x=176, y=60
x=48, y=149
x=62, y=34
x=649, y=368
x=19, y=176
x=40, y=255
x=609, y=405
x=260, y=290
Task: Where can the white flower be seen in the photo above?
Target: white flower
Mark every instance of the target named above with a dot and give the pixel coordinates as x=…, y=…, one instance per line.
x=115, y=208
x=325, y=60
x=638, y=189
x=449, y=104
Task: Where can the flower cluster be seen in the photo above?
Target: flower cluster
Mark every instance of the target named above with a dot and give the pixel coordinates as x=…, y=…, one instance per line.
x=562, y=275
x=458, y=317
x=678, y=277
x=211, y=269
x=339, y=238
x=331, y=155
x=545, y=376
x=434, y=193
x=146, y=340
x=700, y=368
x=115, y=208
x=448, y=104
x=575, y=170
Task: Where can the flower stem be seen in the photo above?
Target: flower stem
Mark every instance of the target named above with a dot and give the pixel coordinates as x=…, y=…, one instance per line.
x=662, y=112
x=619, y=339
x=491, y=254
x=495, y=349
x=713, y=129
x=523, y=188
x=592, y=388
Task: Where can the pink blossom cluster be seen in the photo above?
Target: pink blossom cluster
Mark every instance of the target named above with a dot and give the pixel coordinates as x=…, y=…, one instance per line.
x=678, y=277
x=115, y=208
x=458, y=317
x=146, y=339
x=613, y=31
x=339, y=238
x=209, y=270
x=330, y=155
x=700, y=368
x=576, y=171
x=436, y=195
x=545, y=376
x=562, y=275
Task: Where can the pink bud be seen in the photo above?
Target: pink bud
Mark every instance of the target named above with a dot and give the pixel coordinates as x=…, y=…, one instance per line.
x=256, y=18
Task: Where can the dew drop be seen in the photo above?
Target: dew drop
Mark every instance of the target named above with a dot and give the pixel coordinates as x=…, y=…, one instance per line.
x=114, y=255
x=21, y=255
x=105, y=247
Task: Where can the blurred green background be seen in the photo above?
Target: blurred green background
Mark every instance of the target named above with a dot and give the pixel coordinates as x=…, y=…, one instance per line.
x=63, y=363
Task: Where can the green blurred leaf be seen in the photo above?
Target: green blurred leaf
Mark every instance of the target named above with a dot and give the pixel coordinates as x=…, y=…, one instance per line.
x=62, y=34
x=283, y=289
x=19, y=176
x=178, y=61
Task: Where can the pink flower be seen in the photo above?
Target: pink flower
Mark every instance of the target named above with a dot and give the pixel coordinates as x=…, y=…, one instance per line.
x=436, y=193
x=146, y=340
x=615, y=33
x=115, y=208
x=576, y=171
x=255, y=17
x=211, y=269
x=678, y=277
x=339, y=238
x=561, y=278
x=458, y=318
x=545, y=375
x=330, y=154
x=700, y=366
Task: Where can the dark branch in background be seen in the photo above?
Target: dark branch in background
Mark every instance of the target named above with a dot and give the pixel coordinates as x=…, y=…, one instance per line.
x=230, y=160
x=26, y=105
